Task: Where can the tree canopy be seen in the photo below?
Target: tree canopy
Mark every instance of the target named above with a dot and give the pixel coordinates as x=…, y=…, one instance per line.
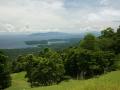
x=5, y=79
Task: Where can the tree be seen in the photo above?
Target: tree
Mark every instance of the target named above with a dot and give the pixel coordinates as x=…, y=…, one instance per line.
x=5, y=79
x=106, y=44
x=107, y=33
x=19, y=64
x=45, y=70
x=118, y=30
x=83, y=63
x=77, y=63
x=110, y=40
x=105, y=61
x=89, y=42
x=106, y=40
x=117, y=62
x=29, y=67
x=117, y=41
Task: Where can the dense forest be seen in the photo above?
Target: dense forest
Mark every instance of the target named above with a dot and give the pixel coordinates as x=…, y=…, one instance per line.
x=91, y=57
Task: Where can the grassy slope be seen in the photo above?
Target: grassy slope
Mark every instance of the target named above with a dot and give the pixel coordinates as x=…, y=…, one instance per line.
x=110, y=81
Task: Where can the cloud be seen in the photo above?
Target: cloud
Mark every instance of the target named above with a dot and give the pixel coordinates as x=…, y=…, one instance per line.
x=104, y=15
x=57, y=15
x=104, y=2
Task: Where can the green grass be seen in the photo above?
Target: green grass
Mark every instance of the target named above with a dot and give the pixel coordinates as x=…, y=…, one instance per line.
x=110, y=81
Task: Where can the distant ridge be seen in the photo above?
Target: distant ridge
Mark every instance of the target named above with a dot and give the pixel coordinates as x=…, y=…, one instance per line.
x=96, y=33
x=50, y=33
x=17, y=40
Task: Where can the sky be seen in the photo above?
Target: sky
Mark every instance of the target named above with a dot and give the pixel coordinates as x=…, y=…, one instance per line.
x=71, y=16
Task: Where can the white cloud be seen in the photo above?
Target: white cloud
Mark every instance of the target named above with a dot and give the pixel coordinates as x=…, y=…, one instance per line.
x=104, y=17
x=9, y=27
x=52, y=15
x=39, y=14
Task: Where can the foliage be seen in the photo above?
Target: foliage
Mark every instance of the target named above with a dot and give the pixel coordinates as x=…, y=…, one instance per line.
x=5, y=80
x=45, y=70
x=19, y=64
x=117, y=41
x=107, y=33
x=110, y=40
x=89, y=42
x=83, y=63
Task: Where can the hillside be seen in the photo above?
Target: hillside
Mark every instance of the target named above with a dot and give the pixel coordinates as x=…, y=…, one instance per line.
x=110, y=81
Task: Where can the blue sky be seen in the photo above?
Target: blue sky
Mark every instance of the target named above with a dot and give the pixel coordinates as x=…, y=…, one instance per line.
x=58, y=15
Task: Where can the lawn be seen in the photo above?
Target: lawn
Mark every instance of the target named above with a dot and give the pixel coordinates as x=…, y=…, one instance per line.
x=109, y=81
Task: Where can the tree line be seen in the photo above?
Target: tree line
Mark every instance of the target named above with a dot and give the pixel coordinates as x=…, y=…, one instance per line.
x=93, y=56
x=5, y=79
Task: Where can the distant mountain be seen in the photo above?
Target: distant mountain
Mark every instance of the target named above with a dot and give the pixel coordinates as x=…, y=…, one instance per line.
x=53, y=35
x=49, y=33
x=61, y=35
x=17, y=40
x=96, y=33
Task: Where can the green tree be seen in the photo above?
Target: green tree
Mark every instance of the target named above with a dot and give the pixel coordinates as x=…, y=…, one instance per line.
x=117, y=41
x=106, y=44
x=19, y=64
x=5, y=79
x=105, y=60
x=107, y=33
x=106, y=40
x=89, y=42
x=83, y=63
x=46, y=69
x=77, y=63
x=29, y=67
